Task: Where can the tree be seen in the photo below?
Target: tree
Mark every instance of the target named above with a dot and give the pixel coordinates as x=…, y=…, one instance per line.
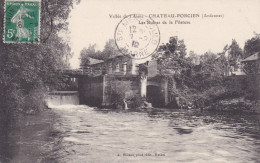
x=26, y=68
x=109, y=51
x=234, y=54
x=175, y=66
x=172, y=55
x=212, y=69
x=85, y=53
x=194, y=58
x=252, y=46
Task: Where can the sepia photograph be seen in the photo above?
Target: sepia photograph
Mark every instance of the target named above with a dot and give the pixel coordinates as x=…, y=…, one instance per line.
x=138, y=81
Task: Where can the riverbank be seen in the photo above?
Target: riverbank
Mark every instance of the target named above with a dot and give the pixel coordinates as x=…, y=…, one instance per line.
x=232, y=93
x=235, y=105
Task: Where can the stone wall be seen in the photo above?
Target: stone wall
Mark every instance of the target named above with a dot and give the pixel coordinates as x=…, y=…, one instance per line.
x=96, y=91
x=62, y=98
x=91, y=90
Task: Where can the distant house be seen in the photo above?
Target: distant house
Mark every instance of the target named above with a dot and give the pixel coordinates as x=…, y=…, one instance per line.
x=251, y=64
x=88, y=63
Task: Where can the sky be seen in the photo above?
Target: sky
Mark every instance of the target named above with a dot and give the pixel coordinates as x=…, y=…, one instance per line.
x=90, y=22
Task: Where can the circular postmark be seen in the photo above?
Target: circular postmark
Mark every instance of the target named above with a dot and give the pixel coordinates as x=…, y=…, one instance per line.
x=137, y=36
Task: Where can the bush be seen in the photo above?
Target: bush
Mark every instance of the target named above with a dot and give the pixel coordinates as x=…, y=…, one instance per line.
x=122, y=90
x=119, y=89
x=34, y=100
x=137, y=101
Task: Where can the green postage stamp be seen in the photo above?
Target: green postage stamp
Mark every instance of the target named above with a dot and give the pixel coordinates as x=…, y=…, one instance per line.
x=22, y=21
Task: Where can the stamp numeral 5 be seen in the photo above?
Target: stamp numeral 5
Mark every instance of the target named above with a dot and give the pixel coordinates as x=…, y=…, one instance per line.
x=10, y=33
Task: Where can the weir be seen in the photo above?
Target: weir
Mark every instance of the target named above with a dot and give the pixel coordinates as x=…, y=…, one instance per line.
x=63, y=98
x=96, y=81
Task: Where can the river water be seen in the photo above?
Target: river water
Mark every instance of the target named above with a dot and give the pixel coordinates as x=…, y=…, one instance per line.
x=78, y=133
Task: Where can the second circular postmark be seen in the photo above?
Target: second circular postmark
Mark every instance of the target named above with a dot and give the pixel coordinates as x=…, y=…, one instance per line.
x=137, y=36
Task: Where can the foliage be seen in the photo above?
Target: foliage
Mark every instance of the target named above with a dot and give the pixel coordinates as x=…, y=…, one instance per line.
x=252, y=46
x=235, y=54
x=196, y=75
x=26, y=68
x=122, y=90
x=109, y=50
x=119, y=89
x=171, y=56
x=193, y=58
x=85, y=53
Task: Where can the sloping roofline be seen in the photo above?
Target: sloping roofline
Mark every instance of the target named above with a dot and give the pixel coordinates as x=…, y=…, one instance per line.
x=252, y=57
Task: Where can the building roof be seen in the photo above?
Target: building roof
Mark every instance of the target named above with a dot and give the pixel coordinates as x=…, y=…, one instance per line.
x=93, y=61
x=253, y=57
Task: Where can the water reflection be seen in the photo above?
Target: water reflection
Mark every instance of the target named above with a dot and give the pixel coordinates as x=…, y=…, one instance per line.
x=29, y=139
x=80, y=133
x=7, y=149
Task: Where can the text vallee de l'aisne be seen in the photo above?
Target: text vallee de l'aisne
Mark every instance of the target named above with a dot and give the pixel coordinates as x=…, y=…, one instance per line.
x=166, y=15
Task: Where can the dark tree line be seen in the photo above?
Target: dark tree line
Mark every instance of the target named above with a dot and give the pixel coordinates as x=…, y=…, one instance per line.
x=27, y=70
x=200, y=74
x=252, y=46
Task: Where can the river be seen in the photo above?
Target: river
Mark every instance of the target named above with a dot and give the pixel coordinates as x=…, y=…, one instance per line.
x=78, y=133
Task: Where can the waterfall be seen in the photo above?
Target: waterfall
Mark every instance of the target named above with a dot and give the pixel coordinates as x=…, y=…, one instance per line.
x=63, y=98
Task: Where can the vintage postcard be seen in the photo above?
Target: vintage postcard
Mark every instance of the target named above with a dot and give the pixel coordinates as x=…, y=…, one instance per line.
x=146, y=81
